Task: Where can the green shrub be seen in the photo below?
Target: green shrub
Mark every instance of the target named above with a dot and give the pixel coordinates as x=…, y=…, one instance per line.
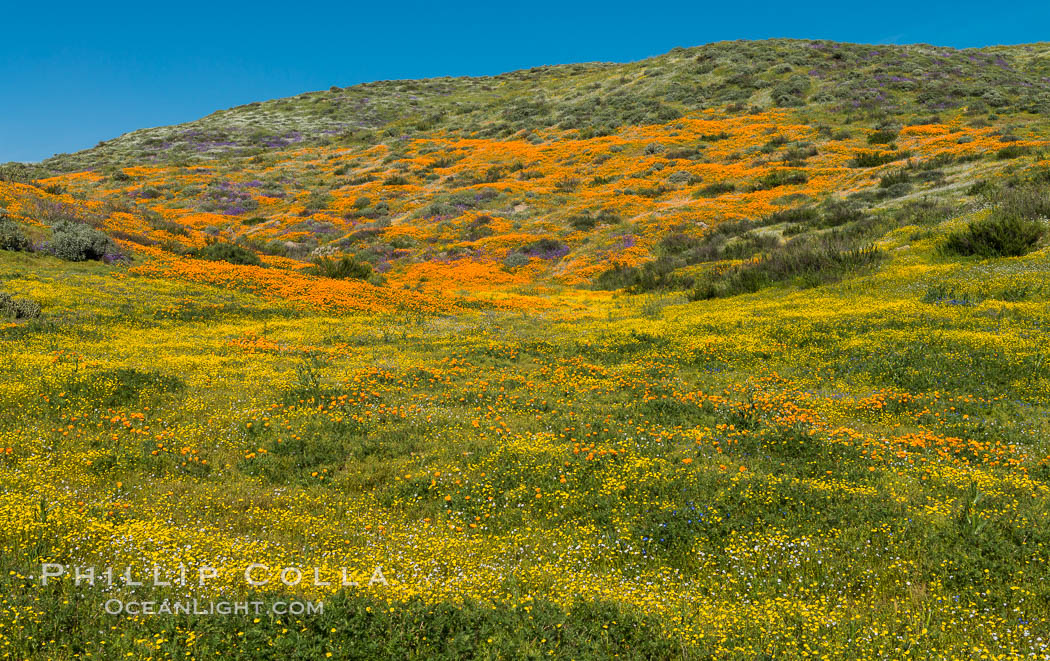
x=996, y=236
x=227, y=252
x=778, y=178
x=77, y=242
x=342, y=268
x=1013, y=228
x=1011, y=151
x=716, y=189
x=18, y=308
x=12, y=237
x=873, y=159
x=882, y=137
x=792, y=91
x=583, y=222
x=808, y=260
x=515, y=259
x=894, y=178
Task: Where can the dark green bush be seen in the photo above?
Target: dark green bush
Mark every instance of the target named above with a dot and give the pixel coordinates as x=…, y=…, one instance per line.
x=1011, y=151
x=583, y=222
x=882, y=137
x=12, y=237
x=77, y=242
x=342, y=268
x=778, y=178
x=873, y=159
x=808, y=260
x=1013, y=228
x=228, y=252
x=716, y=189
x=792, y=91
x=996, y=236
x=894, y=178
x=515, y=259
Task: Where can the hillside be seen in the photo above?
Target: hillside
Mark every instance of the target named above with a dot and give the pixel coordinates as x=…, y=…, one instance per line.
x=599, y=98
x=735, y=352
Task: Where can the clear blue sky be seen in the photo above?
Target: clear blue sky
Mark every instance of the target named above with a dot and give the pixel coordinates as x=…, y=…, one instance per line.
x=73, y=74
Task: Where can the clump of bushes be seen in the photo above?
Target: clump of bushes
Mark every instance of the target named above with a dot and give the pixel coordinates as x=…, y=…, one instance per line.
x=12, y=237
x=1011, y=151
x=995, y=236
x=716, y=189
x=77, y=242
x=792, y=91
x=808, y=260
x=18, y=308
x=882, y=137
x=227, y=252
x=1014, y=227
x=343, y=268
x=778, y=178
x=478, y=228
x=873, y=159
x=515, y=259
x=728, y=240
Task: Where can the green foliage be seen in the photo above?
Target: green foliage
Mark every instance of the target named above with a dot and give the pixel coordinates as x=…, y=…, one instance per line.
x=77, y=242
x=346, y=267
x=12, y=237
x=882, y=137
x=478, y=228
x=1014, y=227
x=515, y=259
x=792, y=91
x=227, y=252
x=781, y=178
x=18, y=308
x=716, y=189
x=729, y=240
x=809, y=260
x=1011, y=151
x=996, y=237
x=873, y=159
x=895, y=178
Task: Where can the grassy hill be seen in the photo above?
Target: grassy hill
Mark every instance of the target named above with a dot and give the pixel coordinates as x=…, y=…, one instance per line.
x=848, y=80
x=735, y=352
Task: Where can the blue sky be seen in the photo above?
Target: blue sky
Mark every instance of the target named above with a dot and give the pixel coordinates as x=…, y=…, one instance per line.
x=71, y=75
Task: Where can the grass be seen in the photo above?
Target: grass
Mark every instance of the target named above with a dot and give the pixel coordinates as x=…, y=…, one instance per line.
x=804, y=260
x=816, y=458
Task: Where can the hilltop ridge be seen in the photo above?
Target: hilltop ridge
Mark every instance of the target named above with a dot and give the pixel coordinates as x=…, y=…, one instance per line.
x=596, y=98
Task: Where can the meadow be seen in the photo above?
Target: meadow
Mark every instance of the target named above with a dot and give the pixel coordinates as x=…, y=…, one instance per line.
x=736, y=384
